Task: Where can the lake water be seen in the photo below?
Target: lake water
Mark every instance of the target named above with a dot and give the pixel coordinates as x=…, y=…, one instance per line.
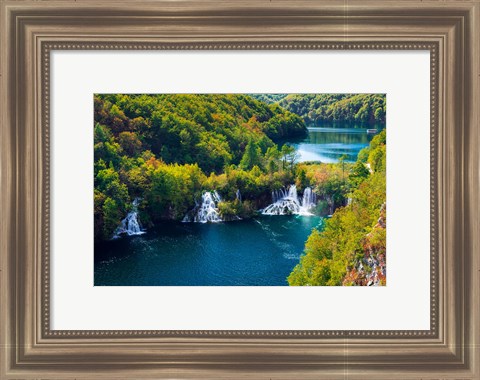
x=327, y=145
x=256, y=252
x=261, y=251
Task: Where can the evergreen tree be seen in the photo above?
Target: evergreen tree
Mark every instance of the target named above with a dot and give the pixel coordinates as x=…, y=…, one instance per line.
x=252, y=156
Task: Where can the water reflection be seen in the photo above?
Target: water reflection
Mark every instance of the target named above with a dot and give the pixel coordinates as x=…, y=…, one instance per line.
x=326, y=144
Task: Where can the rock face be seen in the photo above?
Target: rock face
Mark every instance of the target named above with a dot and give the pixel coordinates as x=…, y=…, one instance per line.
x=371, y=269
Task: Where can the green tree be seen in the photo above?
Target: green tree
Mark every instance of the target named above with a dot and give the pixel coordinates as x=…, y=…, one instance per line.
x=290, y=157
x=377, y=158
x=302, y=180
x=252, y=156
x=130, y=143
x=111, y=216
x=359, y=173
x=354, y=232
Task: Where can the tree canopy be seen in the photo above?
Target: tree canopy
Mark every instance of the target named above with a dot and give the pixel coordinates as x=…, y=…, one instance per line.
x=169, y=148
x=353, y=108
x=351, y=249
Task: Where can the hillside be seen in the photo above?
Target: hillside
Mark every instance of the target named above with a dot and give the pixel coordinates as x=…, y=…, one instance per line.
x=352, y=108
x=168, y=149
x=351, y=249
x=268, y=98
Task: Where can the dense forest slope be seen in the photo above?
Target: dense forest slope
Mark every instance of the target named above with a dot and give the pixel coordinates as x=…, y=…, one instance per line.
x=211, y=130
x=269, y=98
x=167, y=149
x=351, y=249
x=356, y=109
x=353, y=108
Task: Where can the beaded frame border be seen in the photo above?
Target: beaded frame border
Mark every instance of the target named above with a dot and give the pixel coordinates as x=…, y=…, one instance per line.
x=48, y=47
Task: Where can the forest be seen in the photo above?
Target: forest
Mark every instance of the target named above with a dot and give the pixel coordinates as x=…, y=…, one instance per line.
x=167, y=150
x=351, y=249
x=356, y=109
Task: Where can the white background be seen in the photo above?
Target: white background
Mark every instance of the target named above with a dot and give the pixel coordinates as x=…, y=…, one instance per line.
x=402, y=304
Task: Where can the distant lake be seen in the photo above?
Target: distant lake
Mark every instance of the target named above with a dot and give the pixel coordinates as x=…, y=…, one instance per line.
x=328, y=144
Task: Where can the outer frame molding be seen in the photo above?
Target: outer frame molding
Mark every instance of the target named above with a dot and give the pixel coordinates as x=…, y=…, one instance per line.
x=31, y=29
x=48, y=46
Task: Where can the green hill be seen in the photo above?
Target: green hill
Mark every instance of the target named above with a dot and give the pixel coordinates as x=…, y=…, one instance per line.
x=352, y=108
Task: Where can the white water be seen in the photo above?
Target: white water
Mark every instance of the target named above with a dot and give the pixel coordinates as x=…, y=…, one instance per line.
x=238, y=195
x=287, y=202
x=207, y=211
x=131, y=224
x=309, y=199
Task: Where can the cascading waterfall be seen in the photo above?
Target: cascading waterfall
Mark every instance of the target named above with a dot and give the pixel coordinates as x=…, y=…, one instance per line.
x=309, y=199
x=207, y=211
x=291, y=193
x=131, y=224
x=287, y=202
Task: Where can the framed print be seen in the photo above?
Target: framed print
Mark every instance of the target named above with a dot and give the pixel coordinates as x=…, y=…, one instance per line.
x=200, y=190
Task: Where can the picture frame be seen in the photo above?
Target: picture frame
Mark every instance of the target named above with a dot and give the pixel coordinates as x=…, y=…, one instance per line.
x=31, y=30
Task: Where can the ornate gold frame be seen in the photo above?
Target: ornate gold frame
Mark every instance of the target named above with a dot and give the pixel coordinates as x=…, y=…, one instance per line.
x=31, y=30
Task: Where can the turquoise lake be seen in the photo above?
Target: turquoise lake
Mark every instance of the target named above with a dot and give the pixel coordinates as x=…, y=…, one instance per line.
x=261, y=251
x=327, y=145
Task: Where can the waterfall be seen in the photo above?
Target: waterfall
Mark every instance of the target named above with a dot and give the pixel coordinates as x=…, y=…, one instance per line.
x=131, y=224
x=206, y=211
x=238, y=195
x=309, y=199
x=287, y=202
